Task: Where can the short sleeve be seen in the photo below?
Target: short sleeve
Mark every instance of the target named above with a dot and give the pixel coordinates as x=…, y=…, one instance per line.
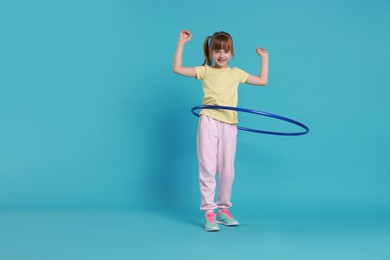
x=242, y=75
x=200, y=72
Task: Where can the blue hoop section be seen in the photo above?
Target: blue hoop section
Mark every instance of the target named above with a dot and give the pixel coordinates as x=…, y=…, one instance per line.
x=258, y=113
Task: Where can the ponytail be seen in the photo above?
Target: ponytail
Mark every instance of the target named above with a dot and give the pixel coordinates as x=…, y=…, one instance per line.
x=206, y=51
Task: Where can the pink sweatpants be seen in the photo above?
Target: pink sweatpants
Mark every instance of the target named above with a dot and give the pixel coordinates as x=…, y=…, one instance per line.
x=216, y=147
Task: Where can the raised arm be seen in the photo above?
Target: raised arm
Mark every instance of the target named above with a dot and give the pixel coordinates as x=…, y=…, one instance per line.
x=262, y=79
x=185, y=36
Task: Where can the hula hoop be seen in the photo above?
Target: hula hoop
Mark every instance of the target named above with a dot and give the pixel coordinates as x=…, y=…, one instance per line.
x=245, y=110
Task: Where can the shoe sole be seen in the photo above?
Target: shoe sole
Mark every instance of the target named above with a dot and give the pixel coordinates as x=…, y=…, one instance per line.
x=229, y=225
x=211, y=230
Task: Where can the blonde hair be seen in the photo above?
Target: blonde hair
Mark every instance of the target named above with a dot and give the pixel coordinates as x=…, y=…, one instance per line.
x=219, y=40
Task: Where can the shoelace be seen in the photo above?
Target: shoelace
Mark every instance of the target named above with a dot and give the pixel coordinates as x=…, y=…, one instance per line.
x=226, y=212
x=210, y=217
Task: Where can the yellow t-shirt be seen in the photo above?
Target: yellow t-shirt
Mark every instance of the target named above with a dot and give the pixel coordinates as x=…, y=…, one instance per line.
x=220, y=89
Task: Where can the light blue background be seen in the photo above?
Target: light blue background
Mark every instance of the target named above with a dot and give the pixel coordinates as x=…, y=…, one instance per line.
x=92, y=115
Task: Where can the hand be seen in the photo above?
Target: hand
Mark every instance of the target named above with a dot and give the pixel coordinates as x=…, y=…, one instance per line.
x=262, y=52
x=185, y=36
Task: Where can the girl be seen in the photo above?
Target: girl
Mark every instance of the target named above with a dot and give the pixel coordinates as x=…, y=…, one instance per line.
x=217, y=130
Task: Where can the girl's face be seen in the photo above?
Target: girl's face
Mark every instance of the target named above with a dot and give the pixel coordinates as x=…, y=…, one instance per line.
x=221, y=58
